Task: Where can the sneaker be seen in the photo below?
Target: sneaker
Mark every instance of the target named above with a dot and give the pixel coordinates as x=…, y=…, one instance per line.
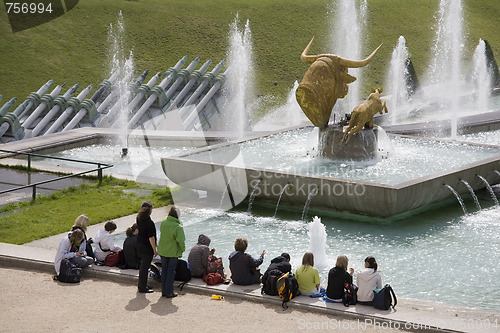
x=171, y=295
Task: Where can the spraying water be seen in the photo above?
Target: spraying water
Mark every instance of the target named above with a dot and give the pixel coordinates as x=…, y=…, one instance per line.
x=471, y=191
x=490, y=189
x=118, y=61
x=279, y=199
x=397, y=79
x=448, y=50
x=460, y=201
x=240, y=79
x=317, y=243
x=347, y=30
x=481, y=76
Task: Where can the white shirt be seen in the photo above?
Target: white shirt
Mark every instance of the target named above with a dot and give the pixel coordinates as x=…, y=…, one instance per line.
x=104, y=241
x=367, y=280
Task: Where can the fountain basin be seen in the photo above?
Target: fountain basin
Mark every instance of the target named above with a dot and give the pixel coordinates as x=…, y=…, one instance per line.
x=411, y=179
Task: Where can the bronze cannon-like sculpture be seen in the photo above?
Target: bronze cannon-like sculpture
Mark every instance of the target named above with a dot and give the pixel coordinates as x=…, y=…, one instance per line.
x=324, y=82
x=362, y=115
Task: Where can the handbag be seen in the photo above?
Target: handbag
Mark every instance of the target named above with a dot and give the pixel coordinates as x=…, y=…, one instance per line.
x=113, y=259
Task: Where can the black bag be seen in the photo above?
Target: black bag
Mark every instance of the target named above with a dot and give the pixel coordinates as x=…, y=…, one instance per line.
x=287, y=287
x=269, y=282
x=155, y=271
x=384, y=298
x=69, y=273
x=182, y=273
x=350, y=294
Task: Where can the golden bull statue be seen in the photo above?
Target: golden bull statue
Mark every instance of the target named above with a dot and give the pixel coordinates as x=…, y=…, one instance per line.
x=324, y=82
x=362, y=115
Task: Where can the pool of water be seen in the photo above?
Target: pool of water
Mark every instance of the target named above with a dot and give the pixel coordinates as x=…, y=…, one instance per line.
x=140, y=160
x=490, y=138
x=439, y=255
x=293, y=152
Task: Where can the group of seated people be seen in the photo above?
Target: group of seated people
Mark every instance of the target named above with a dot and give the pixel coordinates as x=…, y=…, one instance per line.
x=243, y=267
x=244, y=271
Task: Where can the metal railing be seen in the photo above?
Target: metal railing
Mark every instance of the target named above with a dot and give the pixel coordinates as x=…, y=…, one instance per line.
x=100, y=167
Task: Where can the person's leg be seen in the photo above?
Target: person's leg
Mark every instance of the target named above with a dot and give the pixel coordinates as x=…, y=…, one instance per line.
x=143, y=271
x=171, y=266
x=164, y=266
x=81, y=262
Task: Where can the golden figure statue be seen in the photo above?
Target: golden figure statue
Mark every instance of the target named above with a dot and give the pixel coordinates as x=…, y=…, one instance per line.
x=362, y=115
x=324, y=82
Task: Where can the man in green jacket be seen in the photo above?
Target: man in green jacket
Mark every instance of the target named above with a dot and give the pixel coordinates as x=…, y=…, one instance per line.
x=170, y=248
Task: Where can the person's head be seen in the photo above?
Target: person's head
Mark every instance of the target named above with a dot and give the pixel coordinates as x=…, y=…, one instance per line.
x=145, y=211
x=241, y=244
x=82, y=221
x=203, y=240
x=76, y=236
x=342, y=262
x=174, y=212
x=132, y=230
x=308, y=259
x=370, y=262
x=286, y=256
x=110, y=226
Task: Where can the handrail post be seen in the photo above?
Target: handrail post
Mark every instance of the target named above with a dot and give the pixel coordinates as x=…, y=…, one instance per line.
x=99, y=173
x=29, y=163
x=33, y=197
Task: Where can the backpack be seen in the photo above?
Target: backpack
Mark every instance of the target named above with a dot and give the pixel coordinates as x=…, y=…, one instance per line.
x=383, y=298
x=155, y=271
x=214, y=265
x=269, y=282
x=69, y=272
x=287, y=287
x=212, y=279
x=350, y=294
x=114, y=259
x=182, y=272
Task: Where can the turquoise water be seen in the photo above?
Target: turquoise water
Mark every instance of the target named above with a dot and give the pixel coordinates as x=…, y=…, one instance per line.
x=438, y=255
x=140, y=160
x=293, y=152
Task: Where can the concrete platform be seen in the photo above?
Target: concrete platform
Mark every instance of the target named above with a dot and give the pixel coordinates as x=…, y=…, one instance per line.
x=410, y=314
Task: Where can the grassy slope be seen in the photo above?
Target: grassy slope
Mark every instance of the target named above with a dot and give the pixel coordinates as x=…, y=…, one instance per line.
x=75, y=47
x=55, y=213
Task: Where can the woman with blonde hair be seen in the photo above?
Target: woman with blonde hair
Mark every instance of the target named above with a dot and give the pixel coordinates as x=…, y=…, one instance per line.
x=308, y=276
x=72, y=248
x=81, y=223
x=337, y=277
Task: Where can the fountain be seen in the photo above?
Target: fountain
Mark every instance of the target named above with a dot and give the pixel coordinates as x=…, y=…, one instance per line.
x=471, y=190
x=317, y=243
x=346, y=34
x=239, y=91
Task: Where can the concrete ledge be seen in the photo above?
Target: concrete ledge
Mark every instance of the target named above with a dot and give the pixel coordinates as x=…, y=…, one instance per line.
x=409, y=314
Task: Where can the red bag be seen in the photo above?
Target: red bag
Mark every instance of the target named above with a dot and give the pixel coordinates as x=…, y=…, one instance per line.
x=113, y=259
x=213, y=279
x=214, y=265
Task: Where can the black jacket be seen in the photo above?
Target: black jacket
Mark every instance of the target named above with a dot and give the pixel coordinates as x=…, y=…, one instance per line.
x=336, y=278
x=278, y=263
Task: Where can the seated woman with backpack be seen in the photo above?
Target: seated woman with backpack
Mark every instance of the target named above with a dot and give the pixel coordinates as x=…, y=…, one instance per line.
x=308, y=276
x=337, y=277
x=368, y=280
x=103, y=241
x=72, y=247
x=243, y=267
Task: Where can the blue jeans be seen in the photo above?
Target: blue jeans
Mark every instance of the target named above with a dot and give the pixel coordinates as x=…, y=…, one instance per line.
x=168, y=266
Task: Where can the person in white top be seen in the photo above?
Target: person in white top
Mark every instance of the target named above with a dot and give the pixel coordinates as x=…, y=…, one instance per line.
x=103, y=242
x=367, y=280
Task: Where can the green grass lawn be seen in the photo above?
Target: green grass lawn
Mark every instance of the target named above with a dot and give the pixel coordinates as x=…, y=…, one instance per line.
x=75, y=47
x=53, y=214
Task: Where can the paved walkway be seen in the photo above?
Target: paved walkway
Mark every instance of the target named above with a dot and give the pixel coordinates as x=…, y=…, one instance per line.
x=409, y=313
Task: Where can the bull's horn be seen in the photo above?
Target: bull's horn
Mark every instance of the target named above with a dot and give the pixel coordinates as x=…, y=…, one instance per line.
x=358, y=63
x=308, y=58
